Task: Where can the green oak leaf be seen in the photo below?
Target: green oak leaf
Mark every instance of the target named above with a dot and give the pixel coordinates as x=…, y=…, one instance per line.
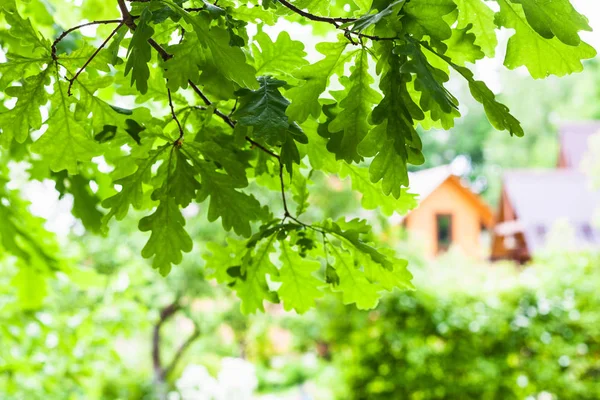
x=182, y=185
x=281, y=57
x=139, y=53
x=462, y=48
x=85, y=202
x=498, y=114
x=186, y=64
x=230, y=59
x=481, y=17
x=252, y=287
x=305, y=97
x=132, y=190
x=351, y=125
x=394, y=141
x=372, y=193
x=352, y=232
x=66, y=142
x=263, y=110
x=168, y=239
x=555, y=18
x=542, y=57
x=299, y=287
x=353, y=283
x=236, y=209
x=25, y=115
x=18, y=67
x=426, y=17
x=429, y=81
x=371, y=19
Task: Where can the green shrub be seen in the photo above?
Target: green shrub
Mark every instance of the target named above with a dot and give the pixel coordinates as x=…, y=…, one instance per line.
x=513, y=335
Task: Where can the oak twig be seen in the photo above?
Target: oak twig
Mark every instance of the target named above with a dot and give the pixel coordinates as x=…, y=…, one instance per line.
x=65, y=33
x=165, y=314
x=178, y=141
x=335, y=21
x=89, y=60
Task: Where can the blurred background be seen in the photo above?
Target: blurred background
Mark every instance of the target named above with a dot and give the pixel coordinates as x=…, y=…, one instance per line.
x=504, y=247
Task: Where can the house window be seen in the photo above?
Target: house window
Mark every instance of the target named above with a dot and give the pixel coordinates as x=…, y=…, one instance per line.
x=444, y=231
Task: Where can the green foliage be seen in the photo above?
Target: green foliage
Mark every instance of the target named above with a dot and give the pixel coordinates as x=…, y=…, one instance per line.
x=236, y=124
x=506, y=336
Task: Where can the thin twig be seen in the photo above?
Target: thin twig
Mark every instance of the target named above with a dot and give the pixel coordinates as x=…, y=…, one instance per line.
x=89, y=60
x=178, y=141
x=335, y=21
x=285, y=207
x=65, y=33
x=330, y=20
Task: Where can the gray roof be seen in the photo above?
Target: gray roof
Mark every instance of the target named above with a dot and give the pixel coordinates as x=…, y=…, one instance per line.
x=574, y=140
x=542, y=197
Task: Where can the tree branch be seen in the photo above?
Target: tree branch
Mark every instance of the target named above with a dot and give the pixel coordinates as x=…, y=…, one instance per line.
x=165, y=314
x=335, y=21
x=89, y=60
x=65, y=33
x=181, y=350
x=330, y=20
x=178, y=141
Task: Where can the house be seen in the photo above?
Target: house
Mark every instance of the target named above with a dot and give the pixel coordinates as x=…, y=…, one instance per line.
x=448, y=214
x=534, y=200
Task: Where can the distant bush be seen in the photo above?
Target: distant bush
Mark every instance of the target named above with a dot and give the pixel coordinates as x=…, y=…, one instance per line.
x=528, y=335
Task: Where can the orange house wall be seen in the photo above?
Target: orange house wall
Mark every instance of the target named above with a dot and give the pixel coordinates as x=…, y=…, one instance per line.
x=466, y=220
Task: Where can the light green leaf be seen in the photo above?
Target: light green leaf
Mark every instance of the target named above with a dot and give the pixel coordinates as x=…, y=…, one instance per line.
x=478, y=14
x=299, y=287
x=25, y=115
x=182, y=185
x=281, y=57
x=252, y=287
x=542, y=57
x=132, y=190
x=66, y=142
x=350, y=126
x=372, y=193
x=555, y=18
x=305, y=97
x=461, y=46
x=353, y=283
x=230, y=59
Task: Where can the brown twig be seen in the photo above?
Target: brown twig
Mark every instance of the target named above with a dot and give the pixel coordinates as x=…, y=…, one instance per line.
x=335, y=21
x=178, y=141
x=165, y=314
x=330, y=20
x=65, y=33
x=89, y=60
